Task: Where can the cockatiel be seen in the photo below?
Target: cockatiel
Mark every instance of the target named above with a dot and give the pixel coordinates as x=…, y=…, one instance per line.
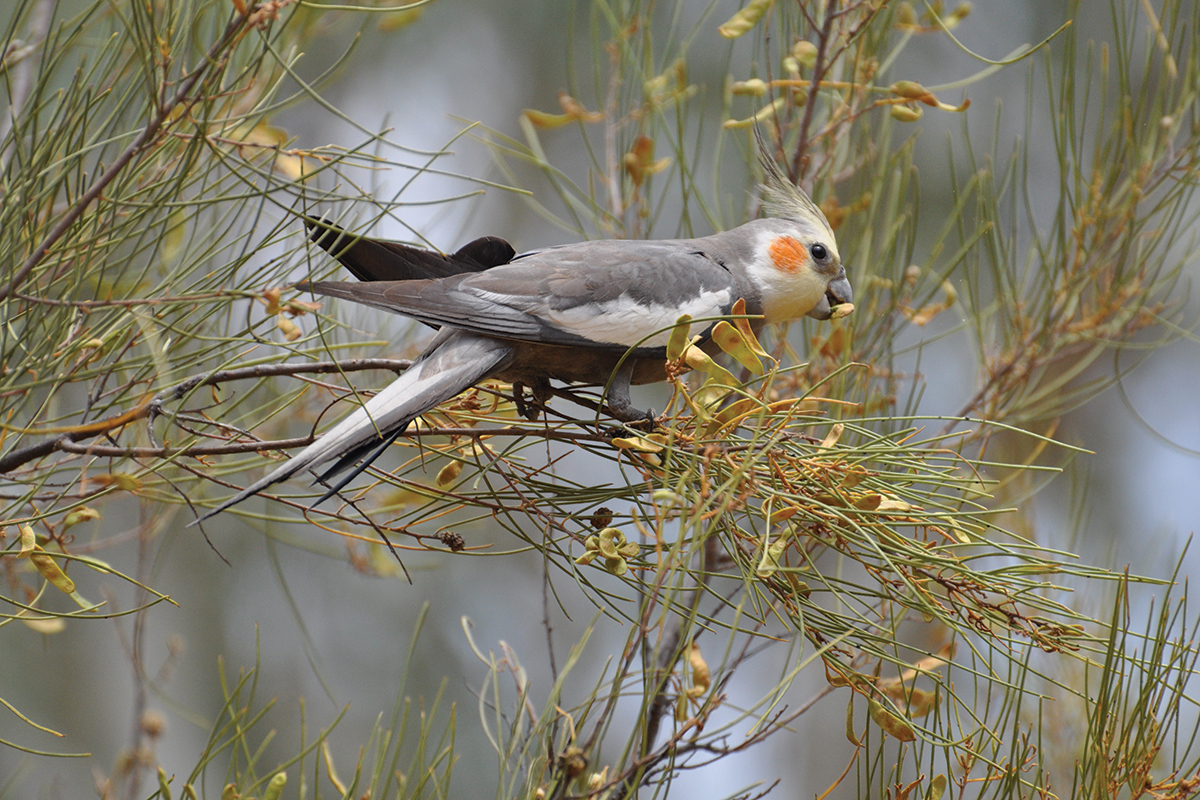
x=567, y=313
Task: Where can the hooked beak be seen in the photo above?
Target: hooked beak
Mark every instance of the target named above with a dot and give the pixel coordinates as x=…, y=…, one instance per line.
x=837, y=293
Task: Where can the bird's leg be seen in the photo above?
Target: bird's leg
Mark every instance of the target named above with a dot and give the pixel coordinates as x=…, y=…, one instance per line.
x=519, y=400
x=539, y=389
x=617, y=399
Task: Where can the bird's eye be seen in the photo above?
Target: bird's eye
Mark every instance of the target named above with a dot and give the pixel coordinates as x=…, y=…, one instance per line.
x=819, y=252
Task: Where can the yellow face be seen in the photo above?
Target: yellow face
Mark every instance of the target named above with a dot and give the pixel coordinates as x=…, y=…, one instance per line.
x=794, y=269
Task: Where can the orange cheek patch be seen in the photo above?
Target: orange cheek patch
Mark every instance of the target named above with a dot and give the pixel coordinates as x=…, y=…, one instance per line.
x=788, y=254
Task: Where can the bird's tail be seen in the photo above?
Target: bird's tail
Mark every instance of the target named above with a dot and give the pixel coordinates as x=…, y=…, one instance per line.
x=453, y=362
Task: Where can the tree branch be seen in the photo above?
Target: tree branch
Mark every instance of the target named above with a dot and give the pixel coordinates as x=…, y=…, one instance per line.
x=153, y=406
x=820, y=66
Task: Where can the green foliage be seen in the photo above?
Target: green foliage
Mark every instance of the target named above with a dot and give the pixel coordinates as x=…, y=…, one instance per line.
x=390, y=764
x=791, y=503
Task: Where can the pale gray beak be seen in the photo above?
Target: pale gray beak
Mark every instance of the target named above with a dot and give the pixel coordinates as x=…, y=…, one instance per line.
x=838, y=292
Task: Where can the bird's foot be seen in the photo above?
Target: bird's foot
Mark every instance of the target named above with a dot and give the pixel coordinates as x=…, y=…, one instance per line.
x=647, y=422
x=518, y=397
x=539, y=390
x=617, y=402
x=633, y=417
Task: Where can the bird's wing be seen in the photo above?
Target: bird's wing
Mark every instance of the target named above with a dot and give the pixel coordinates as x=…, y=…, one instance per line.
x=606, y=294
x=382, y=260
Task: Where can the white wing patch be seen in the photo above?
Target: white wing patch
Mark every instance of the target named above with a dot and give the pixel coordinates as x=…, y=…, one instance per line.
x=624, y=322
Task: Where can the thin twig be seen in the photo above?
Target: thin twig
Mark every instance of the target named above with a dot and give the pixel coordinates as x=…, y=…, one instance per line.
x=109, y=451
x=24, y=455
x=134, y=302
x=819, y=69
x=162, y=114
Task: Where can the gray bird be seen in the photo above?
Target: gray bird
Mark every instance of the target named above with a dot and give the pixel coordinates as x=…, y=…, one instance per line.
x=569, y=313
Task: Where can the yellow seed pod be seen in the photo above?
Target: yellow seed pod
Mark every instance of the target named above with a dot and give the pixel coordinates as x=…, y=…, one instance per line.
x=890, y=723
x=275, y=786
x=893, y=505
x=731, y=340
x=834, y=677
x=766, y=112
x=679, y=337
x=637, y=444
x=121, y=480
x=78, y=515
x=291, y=331
x=610, y=541
x=542, y=119
x=697, y=359
x=653, y=459
x=805, y=52
x=851, y=736
x=745, y=19
x=576, y=110
x=591, y=549
x=867, y=502
x=919, y=701
x=616, y=566
x=164, y=784
x=910, y=90
x=43, y=562
x=449, y=473
x=701, y=676
x=50, y=570
x=780, y=514
x=835, y=433
x=800, y=588
x=613, y=543
x=768, y=565
x=271, y=298
x=755, y=87
x=905, y=114
x=666, y=497
x=47, y=626
x=28, y=541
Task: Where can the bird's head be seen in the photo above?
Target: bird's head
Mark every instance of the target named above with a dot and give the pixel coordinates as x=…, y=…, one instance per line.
x=796, y=264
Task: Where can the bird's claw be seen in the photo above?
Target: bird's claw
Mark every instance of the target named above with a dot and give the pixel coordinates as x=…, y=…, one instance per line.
x=540, y=391
x=647, y=422
x=634, y=417
x=518, y=396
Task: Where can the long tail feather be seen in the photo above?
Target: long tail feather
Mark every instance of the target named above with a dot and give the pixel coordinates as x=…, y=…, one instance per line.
x=453, y=362
x=343, y=463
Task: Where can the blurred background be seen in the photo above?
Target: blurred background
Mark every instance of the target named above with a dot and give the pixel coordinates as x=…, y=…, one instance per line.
x=338, y=637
